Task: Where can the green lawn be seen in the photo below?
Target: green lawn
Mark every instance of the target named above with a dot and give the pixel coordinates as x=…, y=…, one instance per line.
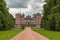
x=52, y=35
x=8, y=34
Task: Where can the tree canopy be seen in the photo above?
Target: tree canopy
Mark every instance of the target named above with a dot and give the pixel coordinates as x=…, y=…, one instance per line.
x=51, y=15
x=6, y=19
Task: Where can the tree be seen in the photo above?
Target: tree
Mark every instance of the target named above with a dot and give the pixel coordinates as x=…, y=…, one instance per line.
x=51, y=15
x=6, y=19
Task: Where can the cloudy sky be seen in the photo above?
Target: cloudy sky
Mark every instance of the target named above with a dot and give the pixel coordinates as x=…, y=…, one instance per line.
x=28, y=7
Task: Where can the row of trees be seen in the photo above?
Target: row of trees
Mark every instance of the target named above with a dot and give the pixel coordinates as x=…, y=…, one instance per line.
x=51, y=15
x=6, y=19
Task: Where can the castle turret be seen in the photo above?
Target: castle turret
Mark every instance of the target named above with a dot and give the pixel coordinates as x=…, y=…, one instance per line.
x=23, y=15
x=34, y=15
x=37, y=19
x=18, y=20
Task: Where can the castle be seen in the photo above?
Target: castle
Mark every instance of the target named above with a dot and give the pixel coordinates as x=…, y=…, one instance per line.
x=21, y=20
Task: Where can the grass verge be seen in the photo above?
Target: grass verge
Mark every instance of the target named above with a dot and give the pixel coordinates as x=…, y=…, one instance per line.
x=8, y=34
x=52, y=35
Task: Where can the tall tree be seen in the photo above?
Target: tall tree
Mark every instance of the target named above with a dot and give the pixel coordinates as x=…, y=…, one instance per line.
x=51, y=15
x=6, y=19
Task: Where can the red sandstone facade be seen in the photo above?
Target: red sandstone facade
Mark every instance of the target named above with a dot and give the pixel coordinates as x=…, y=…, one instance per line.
x=21, y=20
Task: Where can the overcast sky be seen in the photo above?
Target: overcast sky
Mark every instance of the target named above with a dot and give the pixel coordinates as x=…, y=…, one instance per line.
x=28, y=7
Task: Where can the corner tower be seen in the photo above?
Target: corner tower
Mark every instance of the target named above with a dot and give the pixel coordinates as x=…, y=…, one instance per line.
x=37, y=19
x=18, y=20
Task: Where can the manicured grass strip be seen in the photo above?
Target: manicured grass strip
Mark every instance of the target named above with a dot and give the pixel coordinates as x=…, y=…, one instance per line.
x=52, y=35
x=8, y=34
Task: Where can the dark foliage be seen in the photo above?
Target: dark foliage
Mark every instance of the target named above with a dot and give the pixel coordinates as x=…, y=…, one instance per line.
x=6, y=19
x=51, y=15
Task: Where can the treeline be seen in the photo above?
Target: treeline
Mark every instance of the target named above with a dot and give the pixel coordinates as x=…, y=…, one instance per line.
x=6, y=19
x=51, y=15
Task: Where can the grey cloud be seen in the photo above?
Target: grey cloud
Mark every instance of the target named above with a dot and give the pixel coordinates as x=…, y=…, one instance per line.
x=17, y=3
x=24, y=4
x=40, y=1
x=20, y=3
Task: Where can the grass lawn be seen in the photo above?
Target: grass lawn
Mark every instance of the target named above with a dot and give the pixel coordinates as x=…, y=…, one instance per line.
x=8, y=34
x=52, y=35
